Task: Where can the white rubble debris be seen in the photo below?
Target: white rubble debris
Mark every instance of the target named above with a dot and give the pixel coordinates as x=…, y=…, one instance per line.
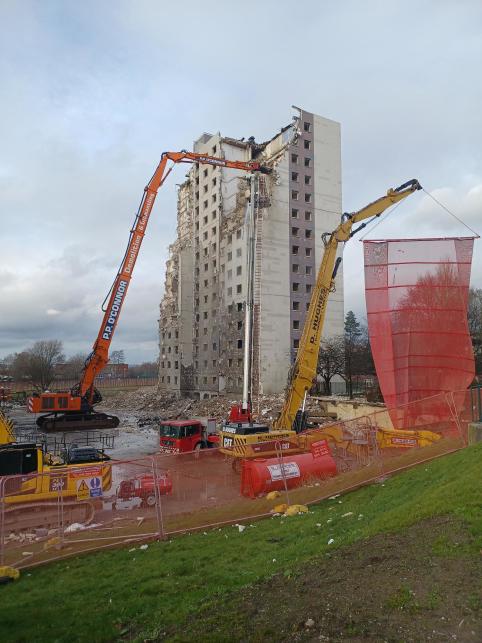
x=77, y=526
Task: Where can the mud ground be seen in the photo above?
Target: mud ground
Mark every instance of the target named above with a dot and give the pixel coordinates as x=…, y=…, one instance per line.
x=422, y=584
x=130, y=440
x=141, y=410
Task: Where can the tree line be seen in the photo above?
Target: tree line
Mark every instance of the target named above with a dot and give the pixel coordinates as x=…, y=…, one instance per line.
x=44, y=362
x=348, y=355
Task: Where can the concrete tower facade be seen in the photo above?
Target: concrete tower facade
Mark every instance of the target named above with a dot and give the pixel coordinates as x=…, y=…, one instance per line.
x=202, y=312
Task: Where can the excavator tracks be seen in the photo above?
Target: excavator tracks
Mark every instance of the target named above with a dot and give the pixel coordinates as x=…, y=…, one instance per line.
x=77, y=422
x=48, y=514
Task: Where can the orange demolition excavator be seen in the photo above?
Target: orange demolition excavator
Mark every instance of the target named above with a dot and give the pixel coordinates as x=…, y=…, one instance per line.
x=74, y=409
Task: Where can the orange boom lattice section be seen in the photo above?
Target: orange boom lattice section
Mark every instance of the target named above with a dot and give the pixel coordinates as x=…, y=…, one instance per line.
x=416, y=294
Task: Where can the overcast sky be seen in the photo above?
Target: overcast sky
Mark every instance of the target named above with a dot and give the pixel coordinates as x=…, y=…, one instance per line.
x=94, y=92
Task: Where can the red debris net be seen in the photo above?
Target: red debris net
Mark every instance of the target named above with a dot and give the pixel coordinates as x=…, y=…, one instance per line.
x=416, y=294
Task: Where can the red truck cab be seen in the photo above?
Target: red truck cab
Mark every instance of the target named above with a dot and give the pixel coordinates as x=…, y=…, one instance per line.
x=183, y=436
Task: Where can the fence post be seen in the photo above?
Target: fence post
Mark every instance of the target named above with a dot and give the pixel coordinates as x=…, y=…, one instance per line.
x=2, y=521
x=61, y=511
x=279, y=453
x=160, y=525
x=450, y=401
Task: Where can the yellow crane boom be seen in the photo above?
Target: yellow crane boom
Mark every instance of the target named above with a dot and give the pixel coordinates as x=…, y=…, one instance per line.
x=303, y=371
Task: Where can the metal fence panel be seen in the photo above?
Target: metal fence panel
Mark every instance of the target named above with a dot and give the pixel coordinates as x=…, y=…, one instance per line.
x=68, y=511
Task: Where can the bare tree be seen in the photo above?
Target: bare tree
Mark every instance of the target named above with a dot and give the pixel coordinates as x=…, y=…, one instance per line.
x=37, y=364
x=331, y=361
x=6, y=364
x=438, y=300
x=20, y=368
x=74, y=365
x=474, y=318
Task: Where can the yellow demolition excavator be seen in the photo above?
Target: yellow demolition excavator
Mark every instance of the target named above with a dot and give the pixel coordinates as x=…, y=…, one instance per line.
x=28, y=476
x=248, y=439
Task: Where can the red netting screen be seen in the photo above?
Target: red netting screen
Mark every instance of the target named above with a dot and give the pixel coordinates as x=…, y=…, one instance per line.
x=416, y=294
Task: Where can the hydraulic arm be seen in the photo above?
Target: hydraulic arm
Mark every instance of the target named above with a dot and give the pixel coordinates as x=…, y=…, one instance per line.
x=303, y=371
x=100, y=353
x=75, y=409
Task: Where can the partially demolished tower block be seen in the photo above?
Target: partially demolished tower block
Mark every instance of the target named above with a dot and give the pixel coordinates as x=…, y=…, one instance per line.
x=201, y=315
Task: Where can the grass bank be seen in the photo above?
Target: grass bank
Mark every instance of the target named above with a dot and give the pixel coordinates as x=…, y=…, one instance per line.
x=165, y=590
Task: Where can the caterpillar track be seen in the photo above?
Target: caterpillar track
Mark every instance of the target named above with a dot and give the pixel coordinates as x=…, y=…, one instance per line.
x=48, y=514
x=77, y=421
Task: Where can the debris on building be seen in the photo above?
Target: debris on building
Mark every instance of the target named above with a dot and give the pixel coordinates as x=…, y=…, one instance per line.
x=202, y=312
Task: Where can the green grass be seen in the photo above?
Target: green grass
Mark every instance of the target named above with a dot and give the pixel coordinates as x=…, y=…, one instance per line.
x=134, y=595
x=402, y=599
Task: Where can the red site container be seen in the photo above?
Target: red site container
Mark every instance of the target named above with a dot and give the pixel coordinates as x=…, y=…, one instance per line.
x=260, y=476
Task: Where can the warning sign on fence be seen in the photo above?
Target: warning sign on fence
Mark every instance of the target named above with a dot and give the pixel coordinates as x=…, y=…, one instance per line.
x=89, y=488
x=82, y=490
x=57, y=482
x=95, y=487
x=85, y=472
x=320, y=448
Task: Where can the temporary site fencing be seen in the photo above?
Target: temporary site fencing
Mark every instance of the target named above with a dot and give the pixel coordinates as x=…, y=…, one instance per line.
x=101, y=383
x=70, y=510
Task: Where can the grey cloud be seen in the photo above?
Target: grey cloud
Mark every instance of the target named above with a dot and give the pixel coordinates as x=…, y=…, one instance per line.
x=96, y=91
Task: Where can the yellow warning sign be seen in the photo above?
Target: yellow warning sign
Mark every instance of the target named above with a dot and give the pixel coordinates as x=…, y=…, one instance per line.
x=82, y=490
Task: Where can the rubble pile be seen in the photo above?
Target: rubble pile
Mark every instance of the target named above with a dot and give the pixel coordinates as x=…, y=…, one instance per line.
x=28, y=537
x=148, y=405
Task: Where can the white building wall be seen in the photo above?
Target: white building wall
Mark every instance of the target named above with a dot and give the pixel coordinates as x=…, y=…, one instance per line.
x=328, y=208
x=274, y=359
x=205, y=324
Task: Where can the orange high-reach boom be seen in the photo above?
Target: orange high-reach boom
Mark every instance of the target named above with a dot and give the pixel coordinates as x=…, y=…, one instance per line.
x=74, y=409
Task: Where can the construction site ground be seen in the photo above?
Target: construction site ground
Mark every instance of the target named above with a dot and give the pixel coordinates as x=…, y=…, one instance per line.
x=130, y=440
x=141, y=410
x=148, y=404
x=399, y=560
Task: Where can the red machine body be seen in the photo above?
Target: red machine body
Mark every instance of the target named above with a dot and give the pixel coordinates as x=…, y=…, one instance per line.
x=183, y=436
x=143, y=487
x=238, y=415
x=260, y=476
x=54, y=403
